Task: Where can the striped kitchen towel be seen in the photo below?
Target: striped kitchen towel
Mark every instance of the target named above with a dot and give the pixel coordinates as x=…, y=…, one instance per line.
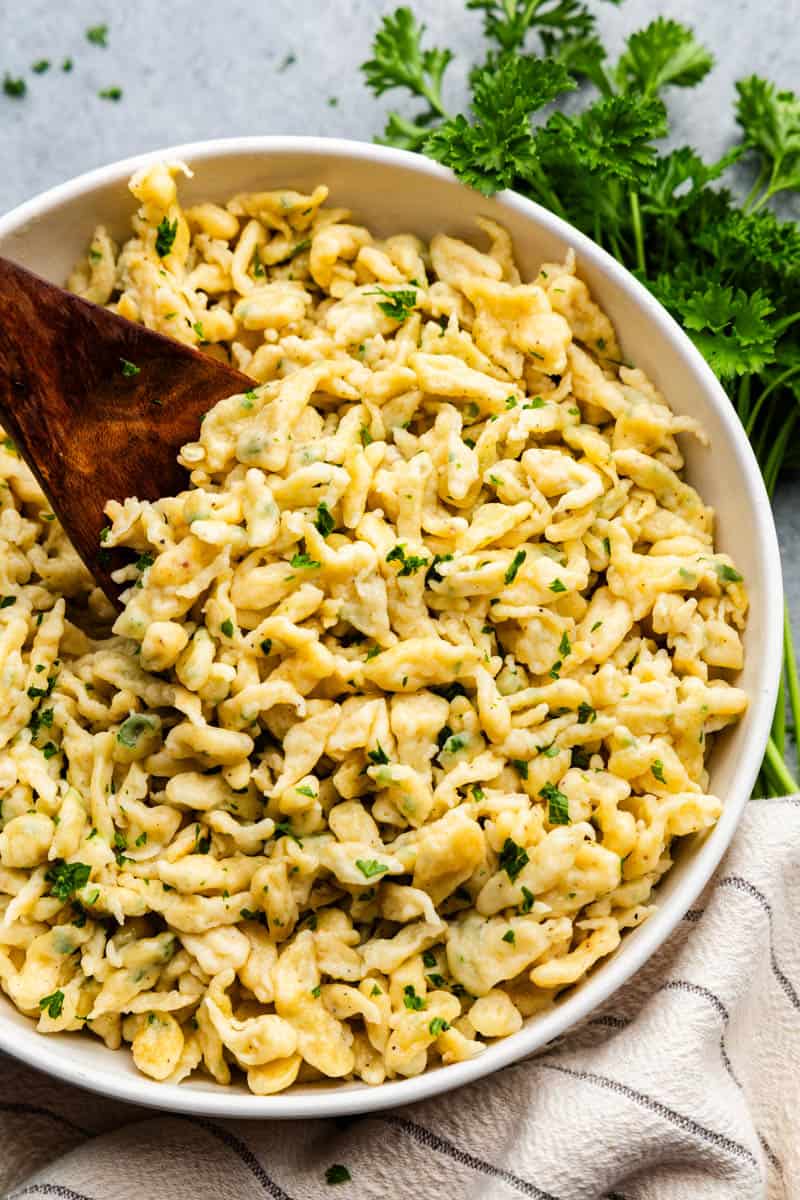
x=685, y=1086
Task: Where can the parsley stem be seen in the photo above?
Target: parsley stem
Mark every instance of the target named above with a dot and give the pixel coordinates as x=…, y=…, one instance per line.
x=547, y=196
x=743, y=398
x=760, y=181
x=784, y=323
x=777, y=453
x=433, y=96
x=638, y=231
x=779, y=719
x=768, y=390
x=779, y=769
x=792, y=682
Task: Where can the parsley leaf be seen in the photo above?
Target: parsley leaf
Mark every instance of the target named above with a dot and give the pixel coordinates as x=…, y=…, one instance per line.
x=727, y=573
x=397, y=303
x=770, y=121
x=512, y=858
x=516, y=563
x=303, y=560
x=53, y=1003
x=15, y=88
x=499, y=145
x=657, y=767
x=663, y=54
x=65, y=878
x=411, y=999
x=728, y=326
x=370, y=867
x=410, y=563
x=508, y=22
x=323, y=521
x=557, y=804
x=399, y=60
x=337, y=1173
x=165, y=236
x=98, y=35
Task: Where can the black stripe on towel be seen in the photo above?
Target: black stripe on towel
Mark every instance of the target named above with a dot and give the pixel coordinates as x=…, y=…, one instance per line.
x=49, y=1189
x=243, y=1152
x=433, y=1141
x=662, y=1110
x=744, y=885
x=35, y=1110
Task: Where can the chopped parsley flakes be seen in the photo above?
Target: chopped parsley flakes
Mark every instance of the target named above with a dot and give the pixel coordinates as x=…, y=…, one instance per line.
x=323, y=521
x=726, y=573
x=370, y=867
x=165, y=236
x=557, y=804
x=512, y=858
x=15, y=88
x=337, y=1173
x=410, y=563
x=397, y=303
x=657, y=767
x=52, y=1004
x=65, y=878
x=516, y=563
x=98, y=35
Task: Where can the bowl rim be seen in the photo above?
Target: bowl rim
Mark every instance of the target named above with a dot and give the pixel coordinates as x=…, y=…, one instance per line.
x=214, y=1100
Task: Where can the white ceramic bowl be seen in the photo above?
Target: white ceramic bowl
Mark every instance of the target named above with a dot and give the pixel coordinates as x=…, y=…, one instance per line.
x=393, y=191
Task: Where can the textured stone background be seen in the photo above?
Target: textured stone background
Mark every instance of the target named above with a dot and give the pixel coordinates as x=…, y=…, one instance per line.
x=192, y=69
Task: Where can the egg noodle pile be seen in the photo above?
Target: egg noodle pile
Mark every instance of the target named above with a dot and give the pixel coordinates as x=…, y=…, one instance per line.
x=413, y=685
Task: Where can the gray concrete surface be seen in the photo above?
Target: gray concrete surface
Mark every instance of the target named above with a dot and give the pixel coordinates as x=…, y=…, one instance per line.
x=193, y=69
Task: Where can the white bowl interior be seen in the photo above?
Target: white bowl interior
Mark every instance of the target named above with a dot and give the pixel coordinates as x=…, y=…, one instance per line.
x=391, y=191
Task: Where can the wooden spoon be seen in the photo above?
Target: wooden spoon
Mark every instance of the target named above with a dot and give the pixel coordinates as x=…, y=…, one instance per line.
x=97, y=406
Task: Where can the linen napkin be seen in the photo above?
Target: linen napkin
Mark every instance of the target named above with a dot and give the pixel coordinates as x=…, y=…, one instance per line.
x=684, y=1086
